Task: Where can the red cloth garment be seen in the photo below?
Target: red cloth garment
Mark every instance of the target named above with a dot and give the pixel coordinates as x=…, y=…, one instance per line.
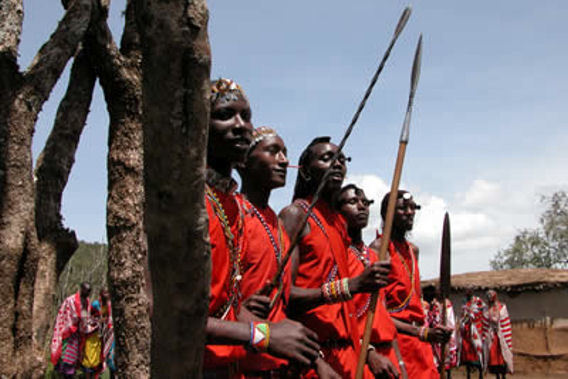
x=471, y=343
x=384, y=331
x=68, y=323
x=417, y=357
x=267, y=243
x=323, y=258
x=498, y=339
x=404, y=302
x=224, y=215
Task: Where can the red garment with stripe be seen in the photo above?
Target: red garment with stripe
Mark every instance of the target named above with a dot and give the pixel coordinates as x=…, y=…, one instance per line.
x=323, y=249
x=260, y=264
x=384, y=331
x=221, y=355
x=403, y=300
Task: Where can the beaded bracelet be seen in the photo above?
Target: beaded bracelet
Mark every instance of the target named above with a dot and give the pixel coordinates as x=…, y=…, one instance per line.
x=336, y=291
x=259, y=336
x=423, y=333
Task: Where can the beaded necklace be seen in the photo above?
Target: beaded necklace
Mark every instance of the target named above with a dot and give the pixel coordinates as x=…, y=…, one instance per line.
x=406, y=301
x=234, y=250
x=363, y=257
x=276, y=246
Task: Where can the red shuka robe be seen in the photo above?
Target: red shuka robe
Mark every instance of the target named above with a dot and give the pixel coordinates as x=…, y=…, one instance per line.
x=384, y=331
x=224, y=297
x=403, y=301
x=323, y=257
x=267, y=243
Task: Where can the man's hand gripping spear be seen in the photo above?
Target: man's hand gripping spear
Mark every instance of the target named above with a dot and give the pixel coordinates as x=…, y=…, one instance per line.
x=404, y=136
x=295, y=239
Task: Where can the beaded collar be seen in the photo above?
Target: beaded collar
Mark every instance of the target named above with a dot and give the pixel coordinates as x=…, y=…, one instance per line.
x=362, y=255
x=234, y=242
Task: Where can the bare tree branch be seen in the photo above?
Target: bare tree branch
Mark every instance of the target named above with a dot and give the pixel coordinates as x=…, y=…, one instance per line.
x=11, y=19
x=57, y=244
x=121, y=81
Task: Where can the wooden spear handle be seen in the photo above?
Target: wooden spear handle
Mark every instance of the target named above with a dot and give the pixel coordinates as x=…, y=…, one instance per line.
x=383, y=249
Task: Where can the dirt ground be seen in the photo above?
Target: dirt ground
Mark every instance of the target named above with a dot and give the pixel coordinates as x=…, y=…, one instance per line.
x=460, y=374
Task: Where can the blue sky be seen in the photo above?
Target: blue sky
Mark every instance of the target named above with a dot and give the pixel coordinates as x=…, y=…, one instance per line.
x=489, y=127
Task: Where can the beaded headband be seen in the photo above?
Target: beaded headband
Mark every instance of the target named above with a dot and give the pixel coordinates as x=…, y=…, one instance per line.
x=259, y=134
x=226, y=88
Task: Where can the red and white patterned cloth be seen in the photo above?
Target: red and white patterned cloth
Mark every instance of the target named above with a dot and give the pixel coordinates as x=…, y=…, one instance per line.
x=68, y=326
x=498, y=337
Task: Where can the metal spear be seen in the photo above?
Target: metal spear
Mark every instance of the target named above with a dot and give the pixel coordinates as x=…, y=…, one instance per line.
x=403, y=142
x=275, y=280
x=445, y=284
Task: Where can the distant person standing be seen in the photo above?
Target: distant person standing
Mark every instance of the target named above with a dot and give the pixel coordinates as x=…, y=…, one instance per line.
x=403, y=293
x=434, y=317
x=470, y=333
x=106, y=329
x=68, y=331
x=497, y=337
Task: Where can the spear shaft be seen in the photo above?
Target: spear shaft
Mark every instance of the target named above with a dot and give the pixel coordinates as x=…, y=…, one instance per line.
x=403, y=142
x=294, y=241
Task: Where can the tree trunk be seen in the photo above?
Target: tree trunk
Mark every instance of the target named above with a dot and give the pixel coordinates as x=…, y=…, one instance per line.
x=176, y=69
x=18, y=237
x=121, y=81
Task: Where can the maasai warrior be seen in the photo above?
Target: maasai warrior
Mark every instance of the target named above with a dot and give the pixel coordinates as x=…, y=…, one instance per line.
x=265, y=169
x=470, y=334
x=68, y=332
x=106, y=328
x=497, y=337
x=433, y=319
x=229, y=140
x=382, y=360
x=403, y=294
x=322, y=287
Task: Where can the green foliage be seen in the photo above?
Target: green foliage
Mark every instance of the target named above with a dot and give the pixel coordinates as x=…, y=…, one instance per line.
x=88, y=264
x=543, y=247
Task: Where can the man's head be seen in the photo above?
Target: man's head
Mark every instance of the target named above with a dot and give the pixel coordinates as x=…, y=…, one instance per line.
x=105, y=295
x=314, y=161
x=230, y=124
x=85, y=290
x=352, y=203
x=266, y=161
x=404, y=211
x=491, y=296
x=429, y=293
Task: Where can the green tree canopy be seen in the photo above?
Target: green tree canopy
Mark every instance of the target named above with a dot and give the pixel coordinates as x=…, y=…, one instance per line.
x=543, y=247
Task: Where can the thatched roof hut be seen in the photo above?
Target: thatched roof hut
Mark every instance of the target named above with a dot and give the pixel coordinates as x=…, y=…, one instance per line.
x=510, y=281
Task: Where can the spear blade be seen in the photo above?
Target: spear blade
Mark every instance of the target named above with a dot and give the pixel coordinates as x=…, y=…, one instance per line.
x=445, y=260
x=414, y=78
x=295, y=239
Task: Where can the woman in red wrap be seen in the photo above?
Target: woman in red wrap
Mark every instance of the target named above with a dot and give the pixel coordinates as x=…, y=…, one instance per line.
x=229, y=139
x=403, y=294
x=322, y=286
x=354, y=206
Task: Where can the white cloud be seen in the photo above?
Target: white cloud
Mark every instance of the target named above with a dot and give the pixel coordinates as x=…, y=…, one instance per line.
x=484, y=218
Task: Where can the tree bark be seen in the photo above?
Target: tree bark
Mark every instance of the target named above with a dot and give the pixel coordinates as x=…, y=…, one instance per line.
x=57, y=244
x=176, y=69
x=18, y=237
x=121, y=81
